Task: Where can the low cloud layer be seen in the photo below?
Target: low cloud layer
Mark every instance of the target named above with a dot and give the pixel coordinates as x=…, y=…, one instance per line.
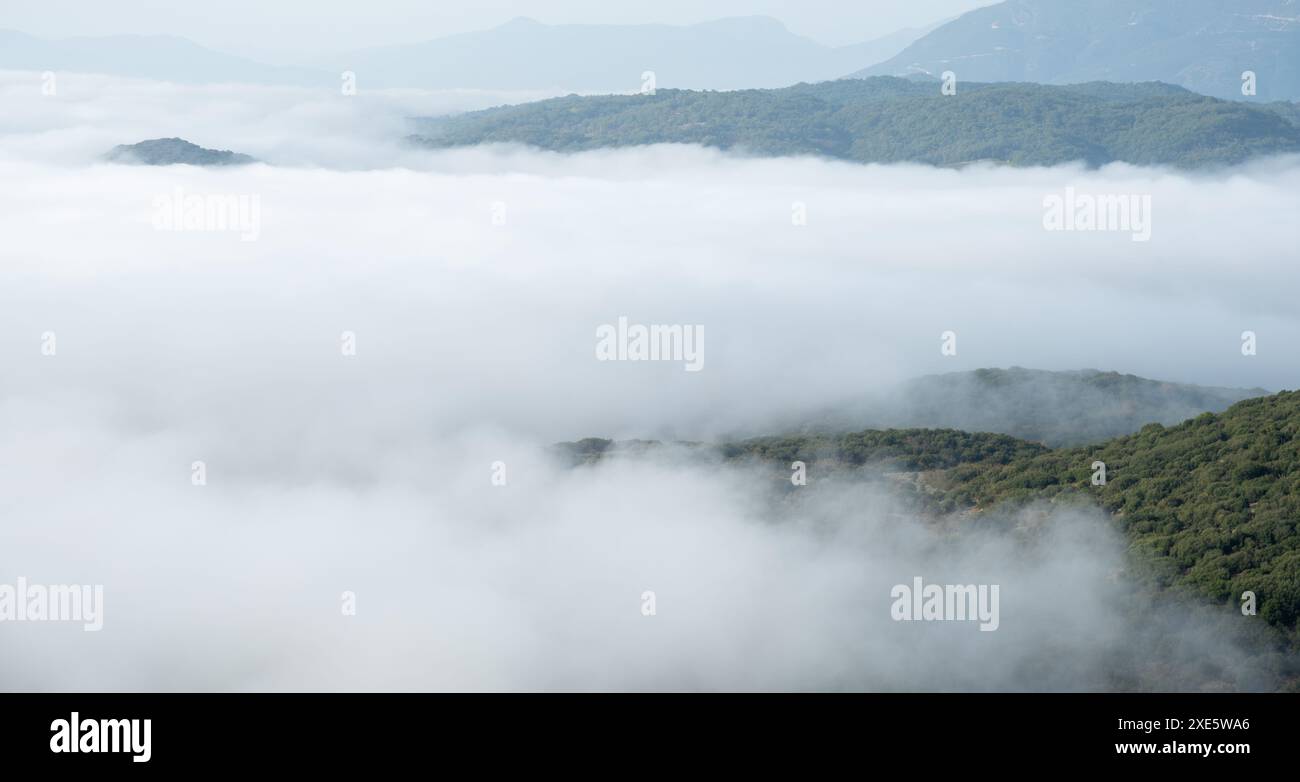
x=71, y=119
x=541, y=583
x=473, y=283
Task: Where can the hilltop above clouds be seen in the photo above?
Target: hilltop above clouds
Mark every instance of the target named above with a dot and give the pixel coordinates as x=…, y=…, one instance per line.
x=1203, y=45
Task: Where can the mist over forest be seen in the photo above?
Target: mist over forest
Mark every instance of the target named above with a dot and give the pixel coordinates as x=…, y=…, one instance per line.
x=271, y=347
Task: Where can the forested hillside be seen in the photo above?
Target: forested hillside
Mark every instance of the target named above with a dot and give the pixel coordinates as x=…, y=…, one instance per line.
x=1211, y=505
x=886, y=120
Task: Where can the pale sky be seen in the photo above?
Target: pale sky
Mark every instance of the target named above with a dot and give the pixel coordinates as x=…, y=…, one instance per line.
x=287, y=29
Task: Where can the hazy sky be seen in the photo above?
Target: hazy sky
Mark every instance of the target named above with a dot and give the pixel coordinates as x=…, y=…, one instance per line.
x=297, y=27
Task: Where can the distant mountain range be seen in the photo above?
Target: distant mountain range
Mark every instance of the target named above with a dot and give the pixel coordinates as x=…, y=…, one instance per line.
x=523, y=54
x=886, y=120
x=174, y=151
x=733, y=53
x=161, y=57
x=1203, y=45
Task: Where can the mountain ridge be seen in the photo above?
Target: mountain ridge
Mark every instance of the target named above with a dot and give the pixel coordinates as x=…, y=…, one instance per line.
x=163, y=57
x=1204, y=45
x=888, y=120
x=727, y=53
x=1210, y=506
x=1031, y=404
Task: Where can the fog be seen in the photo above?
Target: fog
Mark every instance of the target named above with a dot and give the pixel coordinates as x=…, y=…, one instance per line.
x=89, y=113
x=473, y=283
x=539, y=584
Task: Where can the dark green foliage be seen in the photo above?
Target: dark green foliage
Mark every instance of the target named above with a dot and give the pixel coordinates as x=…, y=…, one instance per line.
x=886, y=119
x=899, y=449
x=1210, y=506
x=1213, y=503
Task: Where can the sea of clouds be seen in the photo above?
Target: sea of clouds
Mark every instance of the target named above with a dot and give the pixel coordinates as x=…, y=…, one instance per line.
x=474, y=281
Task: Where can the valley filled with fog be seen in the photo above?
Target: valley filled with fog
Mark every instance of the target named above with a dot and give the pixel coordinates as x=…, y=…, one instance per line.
x=471, y=284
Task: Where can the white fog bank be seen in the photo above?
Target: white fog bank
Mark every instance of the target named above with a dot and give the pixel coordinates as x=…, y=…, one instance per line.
x=349, y=368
